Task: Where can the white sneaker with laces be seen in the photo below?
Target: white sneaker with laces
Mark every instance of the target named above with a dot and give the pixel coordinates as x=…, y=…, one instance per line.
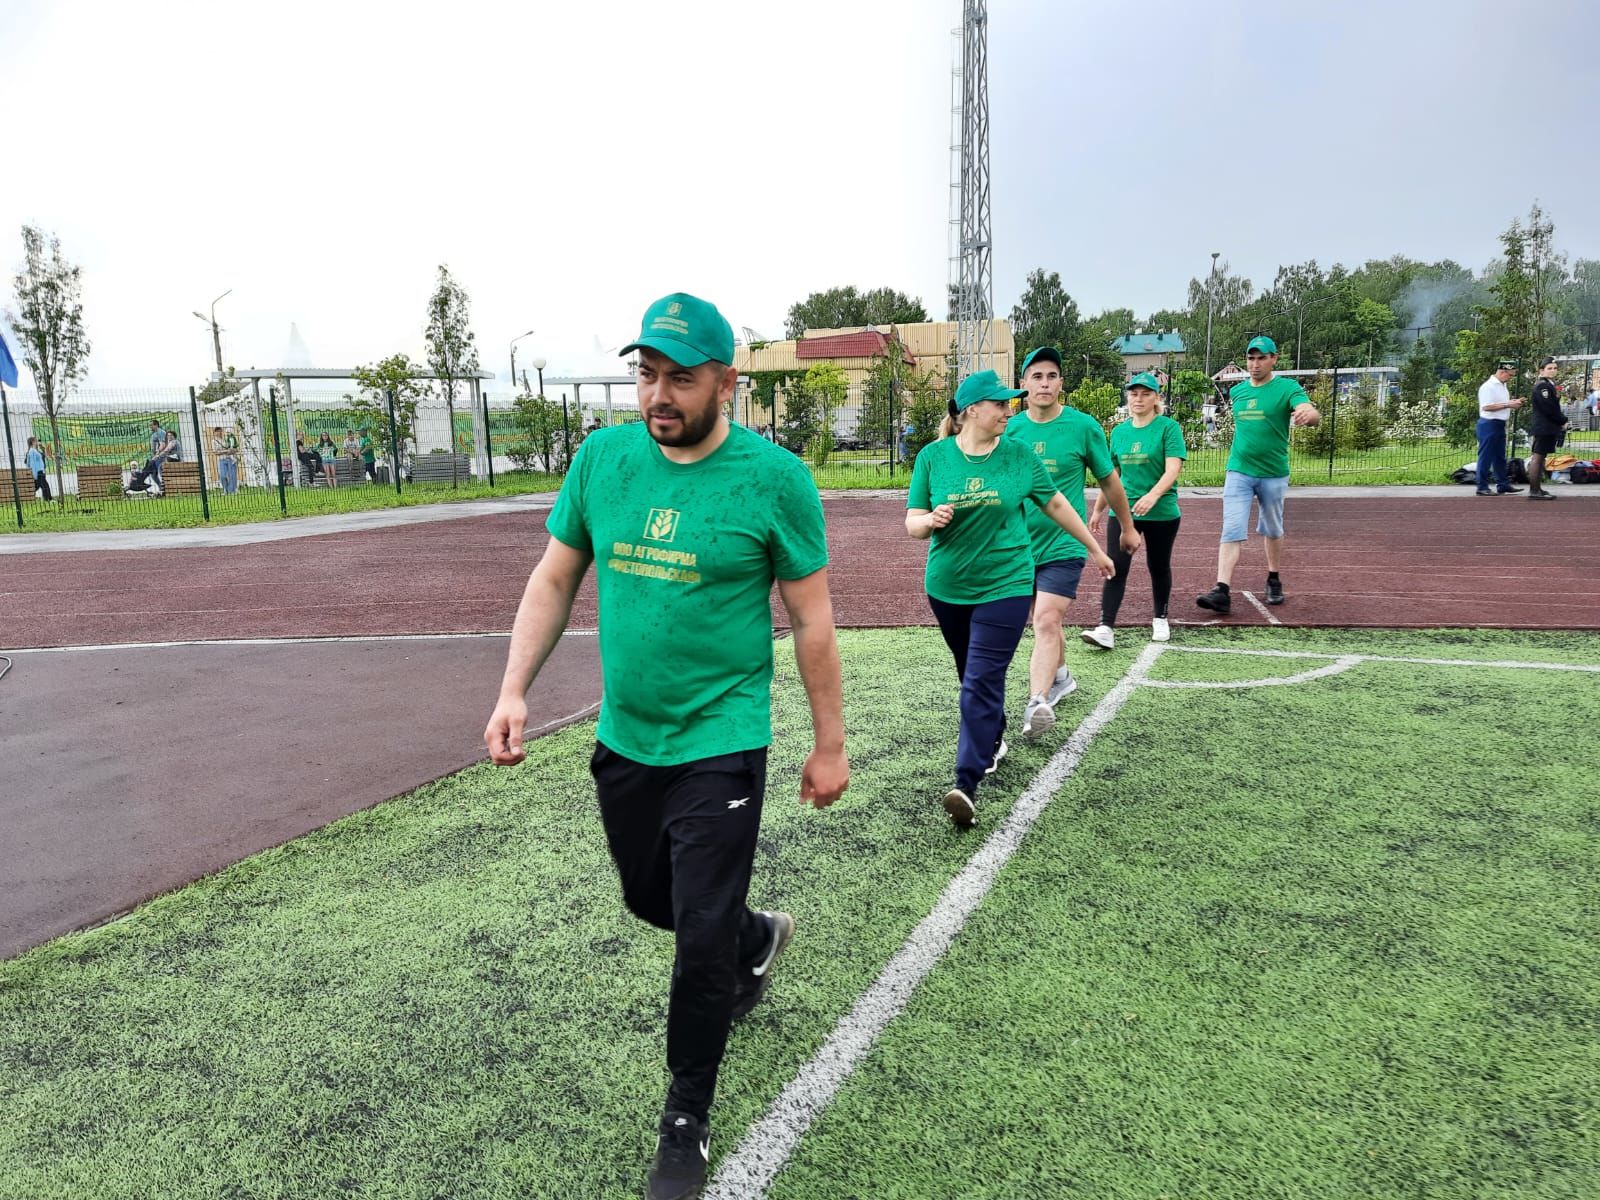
x=1159, y=630
x=1064, y=685
x=1000, y=752
x=1037, y=717
x=1100, y=636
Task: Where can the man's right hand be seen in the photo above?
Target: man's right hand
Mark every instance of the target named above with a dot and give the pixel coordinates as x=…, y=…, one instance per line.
x=504, y=733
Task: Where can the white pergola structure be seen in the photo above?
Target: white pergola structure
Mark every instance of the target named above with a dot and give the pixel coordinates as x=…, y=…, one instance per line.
x=287, y=375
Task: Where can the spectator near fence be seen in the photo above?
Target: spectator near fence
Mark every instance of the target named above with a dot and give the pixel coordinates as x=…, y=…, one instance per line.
x=227, y=451
x=1549, y=427
x=329, y=453
x=163, y=445
x=35, y=458
x=369, y=456
x=1495, y=407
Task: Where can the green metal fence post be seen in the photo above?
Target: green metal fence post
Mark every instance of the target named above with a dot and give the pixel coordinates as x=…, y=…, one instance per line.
x=488, y=441
x=394, y=441
x=277, y=448
x=11, y=453
x=199, y=456
x=1333, y=421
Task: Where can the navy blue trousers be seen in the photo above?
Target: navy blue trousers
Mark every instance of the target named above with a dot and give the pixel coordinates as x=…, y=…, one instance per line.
x=982, y=638
x=1492, y=453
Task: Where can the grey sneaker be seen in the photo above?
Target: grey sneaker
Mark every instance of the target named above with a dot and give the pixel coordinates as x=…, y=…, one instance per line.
x=752, y=986
x=960, y=807
x=1038, y=717
x=1064, y=685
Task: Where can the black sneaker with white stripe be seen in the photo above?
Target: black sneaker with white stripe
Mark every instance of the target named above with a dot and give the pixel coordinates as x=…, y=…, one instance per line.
x=683, y=1149
x=753, y=980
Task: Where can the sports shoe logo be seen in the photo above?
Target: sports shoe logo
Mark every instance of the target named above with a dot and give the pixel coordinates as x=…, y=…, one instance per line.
x=662, y=525
x=975, y=484
x=739, y=803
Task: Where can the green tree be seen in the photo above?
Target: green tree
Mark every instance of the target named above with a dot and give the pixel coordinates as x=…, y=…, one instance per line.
x=846, y=308
x=1417, y=379
x=926, y=406
x=1098, y=398
x=451, y=352
x=397, y=376
x=800, y=424
x=539, y=430
x=1517, y=322
x=882, y=396
x=48, y=322
x=827, y=386
x=1044, y=316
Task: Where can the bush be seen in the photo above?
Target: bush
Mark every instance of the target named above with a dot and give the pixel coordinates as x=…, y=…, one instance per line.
x=1460, y=418
x=1411, y=422
x=818, y=449
x=1366, y=425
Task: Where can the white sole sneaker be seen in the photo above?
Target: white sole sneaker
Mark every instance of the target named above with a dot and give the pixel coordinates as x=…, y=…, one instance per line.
x=1064, y=685
x=1037, y=717
x=1101, y=637
x=999, y=756
x=960, y=806
x=1160, y=631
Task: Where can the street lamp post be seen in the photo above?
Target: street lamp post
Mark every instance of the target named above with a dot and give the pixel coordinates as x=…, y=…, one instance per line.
x=1211, y=287
x=514, y=342
x=216, y=334
x=566, y=430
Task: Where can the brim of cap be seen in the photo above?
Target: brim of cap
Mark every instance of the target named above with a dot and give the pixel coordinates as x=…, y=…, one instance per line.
x=681, y=353
x=1001, y=394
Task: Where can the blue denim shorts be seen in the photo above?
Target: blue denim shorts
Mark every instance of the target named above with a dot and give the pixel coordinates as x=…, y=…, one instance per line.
x=1059, y=578
x=1236, y=495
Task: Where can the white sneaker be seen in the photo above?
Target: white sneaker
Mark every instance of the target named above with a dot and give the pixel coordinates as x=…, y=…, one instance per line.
x=1159, y=630
x=1037, y=717
x=960, y=806
x=999, y=753
x=1064, y=685
x=1101, y=636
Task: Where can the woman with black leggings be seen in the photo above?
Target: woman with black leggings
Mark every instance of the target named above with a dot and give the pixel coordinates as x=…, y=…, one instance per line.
x=1148, y=449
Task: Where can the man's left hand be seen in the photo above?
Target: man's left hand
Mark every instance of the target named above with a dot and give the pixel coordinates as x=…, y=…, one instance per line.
x=824, y=777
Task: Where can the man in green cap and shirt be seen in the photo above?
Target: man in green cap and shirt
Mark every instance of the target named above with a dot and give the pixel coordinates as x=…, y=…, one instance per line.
x=1264, y=408
x=689, y=519
x=1070, y=442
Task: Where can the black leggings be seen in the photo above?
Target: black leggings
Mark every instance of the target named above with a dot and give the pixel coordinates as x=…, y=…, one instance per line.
x=1158, y=539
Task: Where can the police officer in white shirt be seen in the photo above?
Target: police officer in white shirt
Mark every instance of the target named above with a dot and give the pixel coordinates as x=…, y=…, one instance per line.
x=1495, y=406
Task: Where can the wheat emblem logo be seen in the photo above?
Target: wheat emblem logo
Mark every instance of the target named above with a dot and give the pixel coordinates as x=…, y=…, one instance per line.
x=975, y=484
x=662, y=526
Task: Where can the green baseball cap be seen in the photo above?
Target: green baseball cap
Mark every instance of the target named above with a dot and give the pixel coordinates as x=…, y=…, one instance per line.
x=1263, y=343
x=1506, y=364
x=983, y=385
x=1145, y=380
x=687, y=329
x=1048, y=353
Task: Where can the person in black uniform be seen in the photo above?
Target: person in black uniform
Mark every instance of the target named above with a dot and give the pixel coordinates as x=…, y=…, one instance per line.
x=1549, y=428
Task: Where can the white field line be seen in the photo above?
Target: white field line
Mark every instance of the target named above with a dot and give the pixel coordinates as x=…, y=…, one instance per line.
x=284, y=641
x=566, y=720
x=1503, y=664
x=755, y=1162
x=1261, y=608
x=1333, y=668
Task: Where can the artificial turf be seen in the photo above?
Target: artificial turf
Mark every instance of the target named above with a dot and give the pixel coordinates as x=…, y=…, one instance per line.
x=1326, y=940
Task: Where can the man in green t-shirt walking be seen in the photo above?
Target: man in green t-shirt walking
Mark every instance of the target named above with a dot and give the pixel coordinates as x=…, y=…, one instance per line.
x=1070, y=443
x=689, y=519
x=1264, y=408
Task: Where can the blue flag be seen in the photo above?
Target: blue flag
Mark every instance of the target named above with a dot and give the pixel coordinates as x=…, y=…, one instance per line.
x=8, y=365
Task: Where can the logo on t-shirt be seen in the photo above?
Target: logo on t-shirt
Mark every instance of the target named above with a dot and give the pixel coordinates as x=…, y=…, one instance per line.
x=1038, y=448
x=1134, y=449
x=662, y=525
x=1252, y=402
x=974, y=484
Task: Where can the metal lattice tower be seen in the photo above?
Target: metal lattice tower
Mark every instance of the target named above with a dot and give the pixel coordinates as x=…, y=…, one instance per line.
x=972, y=258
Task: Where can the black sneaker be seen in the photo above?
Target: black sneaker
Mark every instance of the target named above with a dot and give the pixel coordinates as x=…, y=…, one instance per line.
x=1274, y=591
x=1484, y=492
x=683, y=1148
x=1508, y=491
x=753, y=983
x=1541, y=495
x=1217, y=600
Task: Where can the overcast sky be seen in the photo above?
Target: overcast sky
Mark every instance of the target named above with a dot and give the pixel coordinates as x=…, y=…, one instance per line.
x=571, y=162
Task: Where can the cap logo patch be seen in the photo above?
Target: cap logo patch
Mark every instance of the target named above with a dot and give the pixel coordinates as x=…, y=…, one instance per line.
x=674, y=309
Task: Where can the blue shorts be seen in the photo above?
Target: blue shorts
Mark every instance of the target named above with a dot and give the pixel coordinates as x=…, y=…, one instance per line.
x=1059, y=578
x=1236, y=494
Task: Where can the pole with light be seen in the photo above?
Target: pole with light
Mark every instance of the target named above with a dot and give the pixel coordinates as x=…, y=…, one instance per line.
x=514, y=342
x=566, y=431
x=216, y=334
x=1211, y=286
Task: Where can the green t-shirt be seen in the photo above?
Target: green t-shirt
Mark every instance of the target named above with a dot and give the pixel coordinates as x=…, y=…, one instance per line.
x=984, y=553
x=1141, y=457
x=685, y=557
x=1068, y=444
x=367, y=454
x=1261, y=426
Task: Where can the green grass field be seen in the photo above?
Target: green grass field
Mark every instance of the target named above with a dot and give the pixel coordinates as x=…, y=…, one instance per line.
x=1330, y=939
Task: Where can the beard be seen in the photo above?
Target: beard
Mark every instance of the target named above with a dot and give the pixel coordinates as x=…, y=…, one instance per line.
x=693, y=431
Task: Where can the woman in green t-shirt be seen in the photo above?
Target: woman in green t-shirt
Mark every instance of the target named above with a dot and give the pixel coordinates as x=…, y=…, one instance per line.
x=967, y=494
x=1148, y=450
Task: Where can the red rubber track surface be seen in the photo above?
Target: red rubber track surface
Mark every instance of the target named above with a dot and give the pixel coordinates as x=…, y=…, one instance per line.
x=134, y=771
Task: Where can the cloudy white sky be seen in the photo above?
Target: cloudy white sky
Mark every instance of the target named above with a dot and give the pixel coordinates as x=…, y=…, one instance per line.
x=572, y=161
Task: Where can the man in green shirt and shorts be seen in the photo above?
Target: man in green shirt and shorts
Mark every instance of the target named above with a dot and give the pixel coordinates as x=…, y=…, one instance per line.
x=689, y=519
x=1264, y=408
x=1070, y=442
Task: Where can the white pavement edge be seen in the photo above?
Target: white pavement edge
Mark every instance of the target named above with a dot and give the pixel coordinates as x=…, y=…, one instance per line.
x=750, y=1169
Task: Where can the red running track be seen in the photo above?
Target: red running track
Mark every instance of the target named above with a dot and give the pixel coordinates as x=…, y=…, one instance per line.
x=146, y=768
